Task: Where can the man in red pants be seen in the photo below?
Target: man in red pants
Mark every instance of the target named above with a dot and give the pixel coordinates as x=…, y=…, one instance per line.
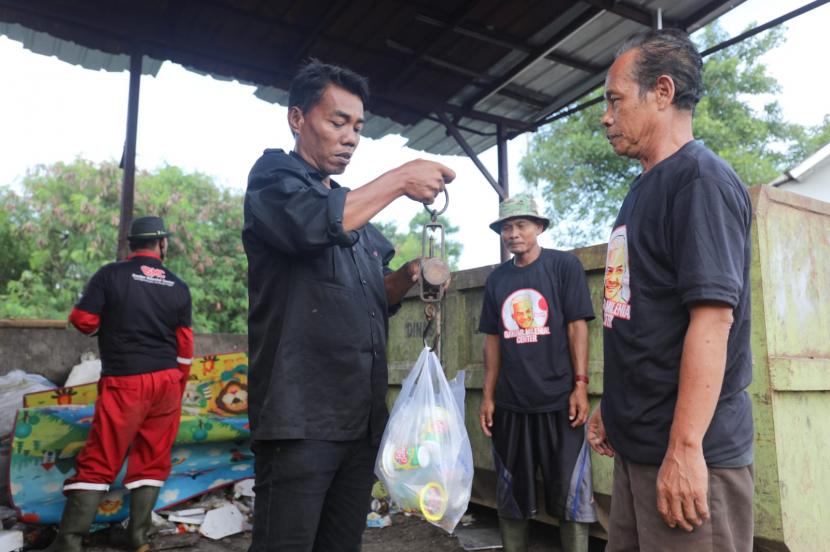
x=141, y=313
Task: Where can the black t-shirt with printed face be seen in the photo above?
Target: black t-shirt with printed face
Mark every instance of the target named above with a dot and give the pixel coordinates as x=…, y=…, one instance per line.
x=682, y=236
x=530, y=307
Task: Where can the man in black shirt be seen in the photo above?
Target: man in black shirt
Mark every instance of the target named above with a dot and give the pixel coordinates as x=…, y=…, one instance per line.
x=675, y=413
x=320, y=290
x=141, y=313
x=535, y=395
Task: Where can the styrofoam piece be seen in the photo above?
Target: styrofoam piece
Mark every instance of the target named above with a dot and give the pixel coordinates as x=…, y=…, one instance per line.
x=158, y=521
x=11, y=540
x=189, y=512
x=223, y=522
x=244, y=488
x=197, y=519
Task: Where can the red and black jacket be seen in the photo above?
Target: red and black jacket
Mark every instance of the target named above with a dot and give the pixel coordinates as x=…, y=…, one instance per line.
x=141, y=313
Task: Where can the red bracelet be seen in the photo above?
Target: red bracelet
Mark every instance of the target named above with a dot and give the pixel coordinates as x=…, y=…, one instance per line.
x=580, y=377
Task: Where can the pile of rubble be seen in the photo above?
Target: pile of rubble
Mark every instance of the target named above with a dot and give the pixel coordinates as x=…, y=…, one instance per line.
x=214, y=516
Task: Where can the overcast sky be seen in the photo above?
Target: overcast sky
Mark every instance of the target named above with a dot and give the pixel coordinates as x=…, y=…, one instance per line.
x=50, y=111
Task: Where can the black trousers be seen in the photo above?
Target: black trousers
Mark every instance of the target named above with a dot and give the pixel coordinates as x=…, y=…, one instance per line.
x=524, y=444
x=311, y=496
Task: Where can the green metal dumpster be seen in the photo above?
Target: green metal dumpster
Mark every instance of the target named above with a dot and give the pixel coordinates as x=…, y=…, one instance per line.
x=790, y=280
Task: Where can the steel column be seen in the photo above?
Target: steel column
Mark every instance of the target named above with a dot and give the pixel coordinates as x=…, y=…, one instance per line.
x=128, y=161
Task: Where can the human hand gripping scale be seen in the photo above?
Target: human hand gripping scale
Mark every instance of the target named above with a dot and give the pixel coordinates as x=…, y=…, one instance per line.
x=425, y=459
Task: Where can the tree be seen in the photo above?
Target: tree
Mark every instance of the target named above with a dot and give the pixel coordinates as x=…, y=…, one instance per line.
x=810, y=140
x=408, y=244
x=583, y=182
x=65, y=222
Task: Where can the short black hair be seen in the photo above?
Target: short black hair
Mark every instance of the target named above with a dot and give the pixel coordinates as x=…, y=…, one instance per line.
x=667, y=52
x=311, y=81
x=143, y=243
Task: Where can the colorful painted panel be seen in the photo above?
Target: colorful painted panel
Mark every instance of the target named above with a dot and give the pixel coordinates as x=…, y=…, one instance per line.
x=218, y=384
x=63, y=396
x=212, y=447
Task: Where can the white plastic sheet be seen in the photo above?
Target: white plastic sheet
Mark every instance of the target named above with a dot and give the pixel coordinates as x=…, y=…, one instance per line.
x=425, y=459
x=87, y=371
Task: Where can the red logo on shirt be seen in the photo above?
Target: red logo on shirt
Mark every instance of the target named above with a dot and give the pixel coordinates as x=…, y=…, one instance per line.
x=151, y=272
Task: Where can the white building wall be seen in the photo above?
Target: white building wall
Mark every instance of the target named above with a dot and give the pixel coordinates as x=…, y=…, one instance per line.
x=815, y=184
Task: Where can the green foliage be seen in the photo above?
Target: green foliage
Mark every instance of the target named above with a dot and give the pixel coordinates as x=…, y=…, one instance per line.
x=583, y=182
x=64, y=224
x=810, y=140
x=408, y=244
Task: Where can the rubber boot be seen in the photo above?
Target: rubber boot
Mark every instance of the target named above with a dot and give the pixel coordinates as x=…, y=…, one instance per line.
x=513, y=534
x=574, y=536
x=142, y=500
x=78, y=513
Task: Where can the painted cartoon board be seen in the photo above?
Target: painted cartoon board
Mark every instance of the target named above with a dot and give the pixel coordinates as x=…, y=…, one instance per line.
x=218, y=384
x=211, y=450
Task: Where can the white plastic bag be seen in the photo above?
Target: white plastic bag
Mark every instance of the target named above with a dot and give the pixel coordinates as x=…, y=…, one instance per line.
x=88, y=371
x=425, y=460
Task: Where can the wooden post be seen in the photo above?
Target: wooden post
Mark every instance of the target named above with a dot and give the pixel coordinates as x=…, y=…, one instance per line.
x=128, y=161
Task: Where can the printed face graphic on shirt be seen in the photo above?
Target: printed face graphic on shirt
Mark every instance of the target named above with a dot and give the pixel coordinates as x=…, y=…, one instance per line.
x=523, y=311
x=617, y=289
x=524, y=315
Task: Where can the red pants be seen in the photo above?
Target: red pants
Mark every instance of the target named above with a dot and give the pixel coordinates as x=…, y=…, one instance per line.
x=139, y=414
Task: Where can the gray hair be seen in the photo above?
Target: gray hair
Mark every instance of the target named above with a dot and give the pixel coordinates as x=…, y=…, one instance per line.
x=667, y=52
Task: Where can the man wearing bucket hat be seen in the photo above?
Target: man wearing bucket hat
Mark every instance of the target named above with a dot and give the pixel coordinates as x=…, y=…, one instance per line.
x=535, y=399
x=141, y=314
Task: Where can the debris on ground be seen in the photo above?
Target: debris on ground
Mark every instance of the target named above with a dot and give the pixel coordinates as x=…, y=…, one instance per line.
x=214, y=515
x=11, y=540
x=380, y=508
x=223, y=522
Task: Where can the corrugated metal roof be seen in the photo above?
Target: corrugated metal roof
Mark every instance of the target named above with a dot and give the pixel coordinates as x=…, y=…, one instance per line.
x=513, y=62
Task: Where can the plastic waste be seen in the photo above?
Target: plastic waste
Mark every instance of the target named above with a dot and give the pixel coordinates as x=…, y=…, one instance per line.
x=425, y=460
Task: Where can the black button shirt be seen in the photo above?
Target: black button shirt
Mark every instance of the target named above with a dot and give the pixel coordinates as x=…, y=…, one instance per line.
x=318, y=314
x=141, y=303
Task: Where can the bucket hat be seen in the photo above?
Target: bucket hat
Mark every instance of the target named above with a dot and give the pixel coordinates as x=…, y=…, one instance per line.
x=519, y=206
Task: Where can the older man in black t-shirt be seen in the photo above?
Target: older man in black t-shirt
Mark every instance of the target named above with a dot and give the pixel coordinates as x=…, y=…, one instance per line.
x=676, y=316
x=535, y=398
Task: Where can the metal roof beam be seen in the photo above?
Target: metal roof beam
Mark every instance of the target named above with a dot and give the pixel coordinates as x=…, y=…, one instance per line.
x=505, y=41
x=513, y=91
x=51, y=22
x=318, y=29
x=541, y=52
x=456, y=17
x=459, y=111
x=627, y=11
x=701, y=13
x=454, y=132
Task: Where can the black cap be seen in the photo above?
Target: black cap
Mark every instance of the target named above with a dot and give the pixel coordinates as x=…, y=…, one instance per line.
x=147, y=228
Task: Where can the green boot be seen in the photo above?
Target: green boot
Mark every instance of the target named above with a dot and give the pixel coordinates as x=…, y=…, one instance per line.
x=78, y=513
x=513, y=534
x=574, y=536
x=142, y=500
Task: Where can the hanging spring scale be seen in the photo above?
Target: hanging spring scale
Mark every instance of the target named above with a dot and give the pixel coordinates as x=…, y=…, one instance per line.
x=435, y=273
